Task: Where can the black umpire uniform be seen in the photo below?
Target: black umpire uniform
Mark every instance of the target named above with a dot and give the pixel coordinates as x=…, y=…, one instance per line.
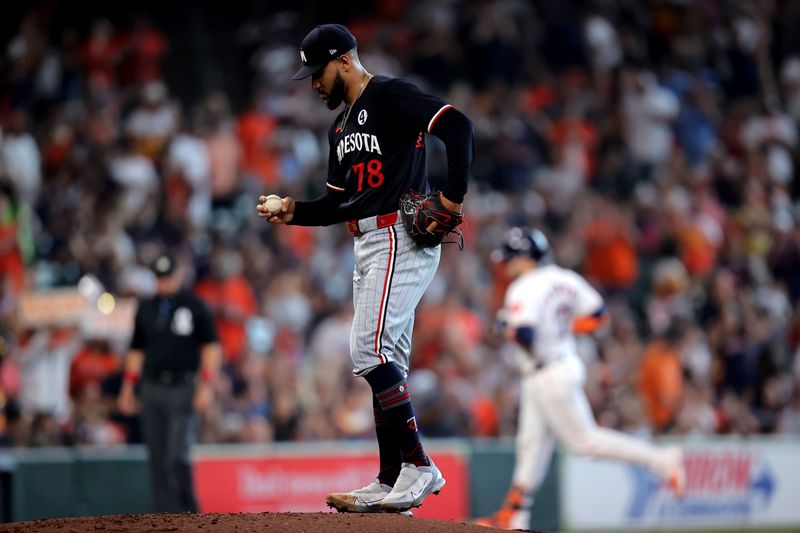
x=175, y=354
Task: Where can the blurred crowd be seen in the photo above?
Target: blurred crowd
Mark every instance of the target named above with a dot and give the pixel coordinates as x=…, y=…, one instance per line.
x=655, y=142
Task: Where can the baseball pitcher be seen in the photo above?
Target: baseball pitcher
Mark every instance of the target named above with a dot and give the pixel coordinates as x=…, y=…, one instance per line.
x=377, y=159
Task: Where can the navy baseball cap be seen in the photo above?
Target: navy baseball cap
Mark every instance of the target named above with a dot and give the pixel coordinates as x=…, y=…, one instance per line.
x=322, y=45
x=523, y=242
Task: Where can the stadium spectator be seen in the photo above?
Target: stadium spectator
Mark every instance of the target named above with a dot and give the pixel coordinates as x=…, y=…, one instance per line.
x=101, y=53
x=257, y=132
x=230, y=298
x=153, y=122
x=45, y=356
x=648, y=111
x=144, y=48
x=661, y=378
x=12, y=268
x=610, y=256
x=224, y=149
x=187, y=174
x=660, y=155
x=92, y=365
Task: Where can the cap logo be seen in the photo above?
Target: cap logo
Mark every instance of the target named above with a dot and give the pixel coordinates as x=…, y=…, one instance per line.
x=303, y=57
x=332, y=51
x=162, y=264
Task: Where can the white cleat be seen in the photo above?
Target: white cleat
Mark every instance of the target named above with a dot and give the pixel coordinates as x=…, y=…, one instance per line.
x=364, y=500
x=413, y=485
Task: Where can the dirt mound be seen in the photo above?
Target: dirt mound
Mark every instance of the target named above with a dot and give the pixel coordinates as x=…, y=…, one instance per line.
x=261, y=522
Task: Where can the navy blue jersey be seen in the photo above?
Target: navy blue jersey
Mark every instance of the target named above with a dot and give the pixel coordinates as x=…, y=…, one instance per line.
x=378, y=154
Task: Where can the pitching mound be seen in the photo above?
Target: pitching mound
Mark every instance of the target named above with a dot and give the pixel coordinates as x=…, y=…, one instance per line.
x=240, y=523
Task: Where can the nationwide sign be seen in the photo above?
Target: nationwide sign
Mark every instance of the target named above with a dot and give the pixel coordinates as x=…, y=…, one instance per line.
x=733, y=483
x=736, y=485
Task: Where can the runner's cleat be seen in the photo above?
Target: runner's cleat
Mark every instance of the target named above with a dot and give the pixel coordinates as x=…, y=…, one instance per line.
x=677, y=478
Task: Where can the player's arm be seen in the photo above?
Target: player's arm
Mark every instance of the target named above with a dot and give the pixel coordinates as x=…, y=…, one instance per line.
x=590, y=323
x=590, y=309
x=210, y=362
x=322, y=211
x=455, y=130
x=524, y=335
x=134, y=361
x=132, y=370
x=210, y=357
x=423, y=112
x=132, y=367
x=517, y=319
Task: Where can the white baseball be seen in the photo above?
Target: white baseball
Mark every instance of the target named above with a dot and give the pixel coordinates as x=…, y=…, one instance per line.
x=273, y=203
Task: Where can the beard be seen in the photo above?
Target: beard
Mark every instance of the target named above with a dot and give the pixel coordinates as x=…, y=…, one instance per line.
x=336, y=96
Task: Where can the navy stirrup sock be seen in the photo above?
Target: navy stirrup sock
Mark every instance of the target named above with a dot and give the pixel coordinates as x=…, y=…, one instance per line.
x=388, y=446
x=394, y=399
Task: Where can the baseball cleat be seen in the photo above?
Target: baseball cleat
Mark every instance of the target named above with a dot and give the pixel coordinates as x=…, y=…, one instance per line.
x=364, y=500
x=413, y=485
x=506, y=519
x=488, y=521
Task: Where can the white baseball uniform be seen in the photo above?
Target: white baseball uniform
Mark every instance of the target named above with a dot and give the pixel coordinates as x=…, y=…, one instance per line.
x=553, y=403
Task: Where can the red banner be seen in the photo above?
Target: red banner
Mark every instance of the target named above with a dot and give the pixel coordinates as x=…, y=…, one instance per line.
x=299, y=483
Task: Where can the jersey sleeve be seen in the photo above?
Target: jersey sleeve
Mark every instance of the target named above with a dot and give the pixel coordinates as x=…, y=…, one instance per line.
x=336, y=178
x=588, y=300
x=416, y=108
x=206, y=330
x=137, y=339
x=518, y=308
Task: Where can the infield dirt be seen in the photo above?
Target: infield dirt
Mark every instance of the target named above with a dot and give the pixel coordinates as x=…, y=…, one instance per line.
x=240, y=523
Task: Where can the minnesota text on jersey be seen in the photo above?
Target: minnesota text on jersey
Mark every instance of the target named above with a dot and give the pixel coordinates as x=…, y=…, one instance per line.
x=357, y=141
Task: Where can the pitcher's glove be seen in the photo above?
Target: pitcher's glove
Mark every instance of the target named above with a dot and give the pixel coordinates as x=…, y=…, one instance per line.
x=420, y=210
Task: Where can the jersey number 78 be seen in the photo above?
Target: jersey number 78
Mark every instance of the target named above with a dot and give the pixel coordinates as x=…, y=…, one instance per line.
x=373, y=169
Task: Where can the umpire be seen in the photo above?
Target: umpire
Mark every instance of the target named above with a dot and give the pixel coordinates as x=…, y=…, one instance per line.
x=175, y=352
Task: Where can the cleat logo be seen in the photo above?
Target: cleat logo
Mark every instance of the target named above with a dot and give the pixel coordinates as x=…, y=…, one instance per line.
x=419, y=487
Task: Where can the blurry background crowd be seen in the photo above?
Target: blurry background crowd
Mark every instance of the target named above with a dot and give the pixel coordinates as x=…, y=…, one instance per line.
x=655, y=142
